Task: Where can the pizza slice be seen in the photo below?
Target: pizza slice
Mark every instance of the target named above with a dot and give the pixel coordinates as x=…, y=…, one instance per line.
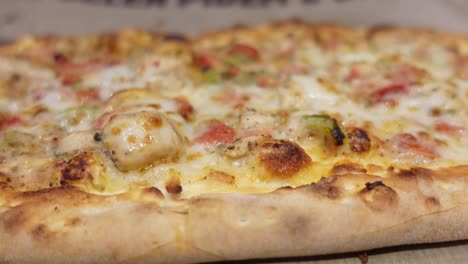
x=287, y=139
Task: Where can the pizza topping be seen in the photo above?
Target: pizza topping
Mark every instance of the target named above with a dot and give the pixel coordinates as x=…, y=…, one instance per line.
x=448, y=129
x=78, y=168
x=97, y=137
x=139, y=139
x=184, y=108
x=407, y=147
x=246, y=50
x=173, y=186
x=75, y=141
x=72, y=72
x=238, y=63
x=88, y=95
x=207, y=61
x=266, y=81
x=86, y=169
x=358, y=140
x=282, y=158
x=217, y=133
x=9, y=120
x=326, y=126
x=136, y=104
x=77, y=118
x=387, y=93
x=212, y=76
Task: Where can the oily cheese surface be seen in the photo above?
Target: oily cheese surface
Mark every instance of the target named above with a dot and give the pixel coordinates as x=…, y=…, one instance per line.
x=270, y=132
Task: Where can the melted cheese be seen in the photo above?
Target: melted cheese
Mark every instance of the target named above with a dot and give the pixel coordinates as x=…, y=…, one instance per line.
x=146, y=87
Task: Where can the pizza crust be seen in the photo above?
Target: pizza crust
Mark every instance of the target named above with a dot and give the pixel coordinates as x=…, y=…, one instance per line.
x=342, y=213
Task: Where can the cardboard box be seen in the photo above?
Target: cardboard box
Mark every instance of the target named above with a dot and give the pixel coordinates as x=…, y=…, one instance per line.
x=194, y=16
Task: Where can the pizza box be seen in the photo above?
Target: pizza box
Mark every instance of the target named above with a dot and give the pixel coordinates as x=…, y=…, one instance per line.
x=77, y=17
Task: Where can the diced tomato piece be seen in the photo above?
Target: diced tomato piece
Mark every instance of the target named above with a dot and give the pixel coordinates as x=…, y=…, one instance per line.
x=10, y=121
x=13, y=120
x=267, y=82
x=88, y=95
x=449, y=129
x=71, y=72
x=205, y=60
x=184, y=108
x=70, y=78
x=410, y=143
x=217, y=133
x=353, y=75
x=382, y=94
x=156, y=64
x=244, y=49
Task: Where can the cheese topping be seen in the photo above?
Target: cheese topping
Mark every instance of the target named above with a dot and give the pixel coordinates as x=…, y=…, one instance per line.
x=235, y=119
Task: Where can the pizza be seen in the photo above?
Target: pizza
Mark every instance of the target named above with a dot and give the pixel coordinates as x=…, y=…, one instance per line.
x=286, y=139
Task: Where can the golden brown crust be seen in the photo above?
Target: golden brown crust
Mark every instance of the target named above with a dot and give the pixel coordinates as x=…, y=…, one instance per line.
x=65, y=224
x=316, y=219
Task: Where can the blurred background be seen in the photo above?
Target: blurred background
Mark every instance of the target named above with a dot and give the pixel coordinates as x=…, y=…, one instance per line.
x=19, y=17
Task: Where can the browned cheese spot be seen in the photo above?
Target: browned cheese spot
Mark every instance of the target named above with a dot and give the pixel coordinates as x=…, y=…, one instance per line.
x=132, y=139
x=173, y=186
x=152, y=123
x=78, y=167
x=378, y=196
x=220, y=177
x=326, y=188
x=154, y=192
x=358, y=140
x=283, y=158
x=116, y=131
x=347, y=168
x=148, y=139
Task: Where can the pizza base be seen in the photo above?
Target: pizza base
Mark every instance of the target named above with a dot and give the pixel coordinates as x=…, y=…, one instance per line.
x=348, y=211
x=321, y=218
